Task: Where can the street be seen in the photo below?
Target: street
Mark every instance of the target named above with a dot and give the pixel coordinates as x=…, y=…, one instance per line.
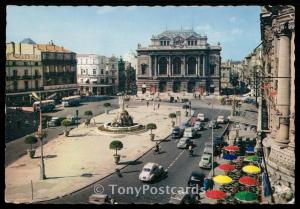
x=177, y=161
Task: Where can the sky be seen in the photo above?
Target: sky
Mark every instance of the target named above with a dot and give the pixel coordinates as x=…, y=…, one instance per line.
x=118, y=30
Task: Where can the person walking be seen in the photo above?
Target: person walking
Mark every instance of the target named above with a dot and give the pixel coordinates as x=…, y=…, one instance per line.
x=147, y=103
x=158, y=105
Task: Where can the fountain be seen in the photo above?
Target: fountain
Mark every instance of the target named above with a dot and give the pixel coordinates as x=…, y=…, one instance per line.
x=123, y=122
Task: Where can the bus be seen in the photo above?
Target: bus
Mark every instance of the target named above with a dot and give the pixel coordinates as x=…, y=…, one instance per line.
x=47, y=105
x=71, y=101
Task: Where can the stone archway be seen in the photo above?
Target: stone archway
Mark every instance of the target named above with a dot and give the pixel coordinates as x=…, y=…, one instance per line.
x=176, y=86
x=191, y=86
x=163, y=65
x=176, y=66
x=191, y=66
x=162, y=86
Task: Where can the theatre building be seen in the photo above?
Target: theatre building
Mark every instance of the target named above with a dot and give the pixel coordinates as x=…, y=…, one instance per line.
x=179, y=61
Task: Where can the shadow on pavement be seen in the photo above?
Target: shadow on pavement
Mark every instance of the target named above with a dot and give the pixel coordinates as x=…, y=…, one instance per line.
x=78, y=135
x=47, y=156
x=137, y=162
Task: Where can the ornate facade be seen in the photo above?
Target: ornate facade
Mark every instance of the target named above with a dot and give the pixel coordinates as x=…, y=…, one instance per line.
x=277, y=32
x=178, y=61
x=97, y=75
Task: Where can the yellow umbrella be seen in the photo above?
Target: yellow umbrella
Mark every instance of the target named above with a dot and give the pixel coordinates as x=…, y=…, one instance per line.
x=222, y=179
x=251, y=169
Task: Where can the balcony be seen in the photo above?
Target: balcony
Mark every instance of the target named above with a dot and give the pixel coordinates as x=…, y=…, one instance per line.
x=14, y=77
x=26, y=77
x=36, y=76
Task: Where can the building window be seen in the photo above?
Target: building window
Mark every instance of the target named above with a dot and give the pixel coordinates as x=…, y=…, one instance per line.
x=112, y=66
x=161, y=43
x=36, y=63
x=36, y=72
x=113, y=81
x=143, y=68
x=82, y=71
x=87, y=71
x=13, y=63
x=15, y=85
x=25, y=72
x=163, y=63
x=177, y=66
x=36, y=84
x=191, y=66
x=212, y=69
x=26, y=85
x=102, y=71
x=94, y=71
x=15, y=73
x=81, y=80
x=25, y=63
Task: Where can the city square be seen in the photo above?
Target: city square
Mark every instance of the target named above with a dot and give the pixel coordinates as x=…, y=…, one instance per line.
x=179, y=113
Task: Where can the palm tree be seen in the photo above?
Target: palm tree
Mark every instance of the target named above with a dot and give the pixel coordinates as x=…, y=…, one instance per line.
x=106, y=105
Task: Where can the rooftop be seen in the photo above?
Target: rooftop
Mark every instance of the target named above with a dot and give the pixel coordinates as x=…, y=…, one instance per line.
x=51, y=48
x=174, y=33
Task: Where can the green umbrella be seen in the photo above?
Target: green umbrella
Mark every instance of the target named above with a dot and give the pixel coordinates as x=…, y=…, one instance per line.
x=246, y=196
x=251, y=158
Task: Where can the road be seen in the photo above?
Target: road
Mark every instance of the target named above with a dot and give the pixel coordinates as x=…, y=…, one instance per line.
x=17, y=148
x=177, y=161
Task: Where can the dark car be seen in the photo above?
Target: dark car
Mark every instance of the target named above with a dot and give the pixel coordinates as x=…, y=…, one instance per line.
x=195, y=179
x=177, y=133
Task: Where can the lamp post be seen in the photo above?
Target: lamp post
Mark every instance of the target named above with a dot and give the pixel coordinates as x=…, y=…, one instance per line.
x=40, y=135
x=212, y=142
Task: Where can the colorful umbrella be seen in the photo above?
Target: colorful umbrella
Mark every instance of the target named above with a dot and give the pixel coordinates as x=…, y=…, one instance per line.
x=226, y=167
x=251, y=169
x=246, y=197
x=248, y=181
x=250, y=150
x=229, y=157
x=231, y=148
x=215, y=194
x=251, y=158
x=222, y=179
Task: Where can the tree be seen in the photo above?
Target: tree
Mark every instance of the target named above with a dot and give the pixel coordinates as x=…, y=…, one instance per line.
x=106, y=105
x=88, y=113
x=31, y=140
x=66, y=123
x=151, y=126
x=233, y=79
x=172, y=116
x=116, y=145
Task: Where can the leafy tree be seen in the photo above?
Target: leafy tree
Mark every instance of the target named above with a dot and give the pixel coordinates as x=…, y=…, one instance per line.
x=31, y=140
x=151, y=126
x=66, y=123
x=116, y=145
x=172, y=116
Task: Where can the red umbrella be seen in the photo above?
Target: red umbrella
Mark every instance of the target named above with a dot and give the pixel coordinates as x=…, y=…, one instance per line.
x=231, y=148
x=215, y=194
x=248, y=181
x=226, y=167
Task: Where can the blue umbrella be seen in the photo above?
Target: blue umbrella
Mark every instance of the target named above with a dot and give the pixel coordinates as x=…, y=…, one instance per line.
x=229, y=157
x=250, y=150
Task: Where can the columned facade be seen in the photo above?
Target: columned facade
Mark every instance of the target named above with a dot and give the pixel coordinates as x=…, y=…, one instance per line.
x=180, y=65
x=277, y=29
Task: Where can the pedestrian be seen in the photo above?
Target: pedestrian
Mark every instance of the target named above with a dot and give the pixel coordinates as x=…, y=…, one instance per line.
x=147, y=103
x=158, y=105
x=206, y=184
x=199, y=96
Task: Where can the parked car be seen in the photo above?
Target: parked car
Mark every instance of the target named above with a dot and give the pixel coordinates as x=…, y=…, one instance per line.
x=205, y=161
x=221, y=119
x=208, y=149
x=177, y=132
x=213, y=124
x=182, y=198
x=189, y=132
x=201, y=117
x=196, y=179
x=183, y=126
x=184, y=143
x=100, y=199
x=198, y=126
x=151, y=171
x=54, y=122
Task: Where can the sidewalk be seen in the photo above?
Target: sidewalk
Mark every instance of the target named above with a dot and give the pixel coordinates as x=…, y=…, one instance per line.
x=84, y=157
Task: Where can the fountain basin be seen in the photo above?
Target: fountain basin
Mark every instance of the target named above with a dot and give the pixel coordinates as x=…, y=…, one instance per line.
x=121, y=130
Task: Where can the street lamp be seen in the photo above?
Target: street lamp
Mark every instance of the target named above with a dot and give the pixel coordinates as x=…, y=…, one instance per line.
x=40, y=134
x=212, y=142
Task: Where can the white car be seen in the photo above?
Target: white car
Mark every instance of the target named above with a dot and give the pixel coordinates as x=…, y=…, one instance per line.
x=189, y=132
x=201, y=117
x=150, y=172
x=221, y=119
x=184, y=143
x=213, y=124
x=205, y=161
x=198, y=126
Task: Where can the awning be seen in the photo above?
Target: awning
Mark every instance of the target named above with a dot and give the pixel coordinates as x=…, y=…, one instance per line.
x=85, y=80
x=144, y=86
x=94, y=80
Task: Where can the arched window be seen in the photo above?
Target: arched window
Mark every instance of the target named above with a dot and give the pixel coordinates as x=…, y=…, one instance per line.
x=191, y=65
x=177, y=66
x=162, y=66
x=143, y=68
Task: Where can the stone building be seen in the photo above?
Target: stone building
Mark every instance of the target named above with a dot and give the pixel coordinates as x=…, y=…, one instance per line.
x=225, y=75
x=277, y=32
x=24, y=71
x=97, y=75
x=179, y=61
x=47, y=69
